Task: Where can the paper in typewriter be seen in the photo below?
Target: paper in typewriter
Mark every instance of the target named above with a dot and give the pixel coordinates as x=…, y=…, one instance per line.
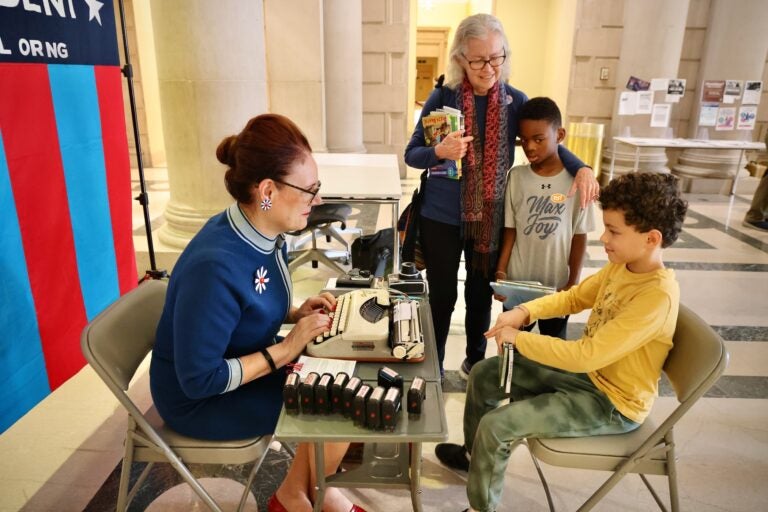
x=320, y=365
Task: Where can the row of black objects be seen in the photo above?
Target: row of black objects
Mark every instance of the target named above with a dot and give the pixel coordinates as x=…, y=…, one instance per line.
x=375, y=408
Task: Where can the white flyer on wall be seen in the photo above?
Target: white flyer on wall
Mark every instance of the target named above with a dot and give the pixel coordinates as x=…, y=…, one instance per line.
x=726, y=119
x=644, y=102
x=659, y=84
x=708, y=114
x=747, y=116
x=627, y=103
x=752, y=91
x=660, y=115
x=675, y=90
x=732, y=91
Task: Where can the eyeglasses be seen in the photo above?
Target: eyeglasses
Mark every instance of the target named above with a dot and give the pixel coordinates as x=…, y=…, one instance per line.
x=311, y=192
x=480, y=63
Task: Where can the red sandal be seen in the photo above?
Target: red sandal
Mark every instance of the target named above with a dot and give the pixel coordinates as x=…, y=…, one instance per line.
x=274, y=505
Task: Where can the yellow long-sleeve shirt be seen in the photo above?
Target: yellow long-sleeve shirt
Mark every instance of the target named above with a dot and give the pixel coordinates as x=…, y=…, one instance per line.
x=626, y=339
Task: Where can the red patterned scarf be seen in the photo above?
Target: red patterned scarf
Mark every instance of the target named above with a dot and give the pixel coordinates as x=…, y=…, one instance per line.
x=484, y=170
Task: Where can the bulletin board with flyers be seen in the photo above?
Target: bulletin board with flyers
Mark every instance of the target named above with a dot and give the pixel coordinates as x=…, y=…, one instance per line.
x=653, y=98
x=729, y=104
x=723, y=104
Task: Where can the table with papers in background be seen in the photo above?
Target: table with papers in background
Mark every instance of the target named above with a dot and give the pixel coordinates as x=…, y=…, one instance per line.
x=641, y=142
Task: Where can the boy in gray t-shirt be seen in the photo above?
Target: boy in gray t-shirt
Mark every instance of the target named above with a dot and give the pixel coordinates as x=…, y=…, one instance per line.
x=545, y=232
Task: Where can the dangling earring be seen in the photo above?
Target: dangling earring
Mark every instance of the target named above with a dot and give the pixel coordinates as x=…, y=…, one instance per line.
x=266, y=204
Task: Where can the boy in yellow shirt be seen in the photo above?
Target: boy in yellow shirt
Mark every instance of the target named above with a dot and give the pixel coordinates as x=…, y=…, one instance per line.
x=603, y=383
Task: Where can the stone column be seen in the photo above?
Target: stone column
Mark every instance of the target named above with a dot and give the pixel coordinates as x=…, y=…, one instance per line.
x=211, y=75
x=343, y=43
x=652, y=41
x=294, y=42
x=735, y=49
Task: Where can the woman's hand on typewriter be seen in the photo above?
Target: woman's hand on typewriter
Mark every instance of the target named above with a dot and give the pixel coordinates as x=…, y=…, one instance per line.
x=323, y=302
x=305, y=331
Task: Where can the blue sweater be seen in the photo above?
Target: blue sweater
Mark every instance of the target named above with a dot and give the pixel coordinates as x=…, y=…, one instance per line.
x=229, y=293
x=442, y=201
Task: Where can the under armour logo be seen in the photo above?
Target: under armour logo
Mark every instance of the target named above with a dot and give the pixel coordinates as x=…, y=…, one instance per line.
x=547, y=185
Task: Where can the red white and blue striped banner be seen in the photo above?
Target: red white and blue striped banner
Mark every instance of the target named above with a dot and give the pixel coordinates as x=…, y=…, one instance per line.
x=65, y=193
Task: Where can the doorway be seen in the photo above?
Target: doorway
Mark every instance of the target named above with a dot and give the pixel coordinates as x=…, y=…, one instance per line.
x=431, y=56
x=426, y=74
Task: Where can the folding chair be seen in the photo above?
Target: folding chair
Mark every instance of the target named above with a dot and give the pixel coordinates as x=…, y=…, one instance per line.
x=694, y=364
x=114, y=344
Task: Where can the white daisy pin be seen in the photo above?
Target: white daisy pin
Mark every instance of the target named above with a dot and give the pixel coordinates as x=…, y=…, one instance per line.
x=261, y=280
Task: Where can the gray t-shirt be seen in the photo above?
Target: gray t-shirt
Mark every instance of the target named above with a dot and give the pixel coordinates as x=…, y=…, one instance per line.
x=545, y=220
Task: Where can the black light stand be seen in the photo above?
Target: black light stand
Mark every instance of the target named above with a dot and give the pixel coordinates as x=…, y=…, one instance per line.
x=142, y=198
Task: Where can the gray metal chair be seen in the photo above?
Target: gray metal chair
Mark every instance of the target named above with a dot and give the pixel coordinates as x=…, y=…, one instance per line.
x=114, y=344
x=696, y=361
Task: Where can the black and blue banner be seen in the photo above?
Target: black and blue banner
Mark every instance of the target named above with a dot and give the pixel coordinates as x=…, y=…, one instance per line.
x=58, y=32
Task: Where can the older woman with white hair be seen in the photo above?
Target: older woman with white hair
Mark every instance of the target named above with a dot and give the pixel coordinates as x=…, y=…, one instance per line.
x=466, y=215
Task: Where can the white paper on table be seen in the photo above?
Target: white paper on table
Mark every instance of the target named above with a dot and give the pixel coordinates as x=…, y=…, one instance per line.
x=640, y=141
x=747, y=117
x=321, y=365
x=725, y=144
x=644, y=102
x=660, y=115
x=672, y=98
x=627, y=103
x=708, y=114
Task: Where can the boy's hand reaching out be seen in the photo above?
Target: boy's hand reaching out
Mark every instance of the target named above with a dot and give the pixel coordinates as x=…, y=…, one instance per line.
x=507, y=326
x=515, y=317
x=502, y=335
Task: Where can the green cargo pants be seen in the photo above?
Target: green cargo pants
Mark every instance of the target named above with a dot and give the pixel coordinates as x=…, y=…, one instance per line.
x=545, y=402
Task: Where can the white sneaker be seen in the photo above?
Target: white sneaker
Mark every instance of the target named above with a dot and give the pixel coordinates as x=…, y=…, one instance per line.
x=464, y=369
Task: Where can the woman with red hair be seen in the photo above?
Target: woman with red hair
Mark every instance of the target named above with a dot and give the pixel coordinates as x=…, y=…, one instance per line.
x=217, y=366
